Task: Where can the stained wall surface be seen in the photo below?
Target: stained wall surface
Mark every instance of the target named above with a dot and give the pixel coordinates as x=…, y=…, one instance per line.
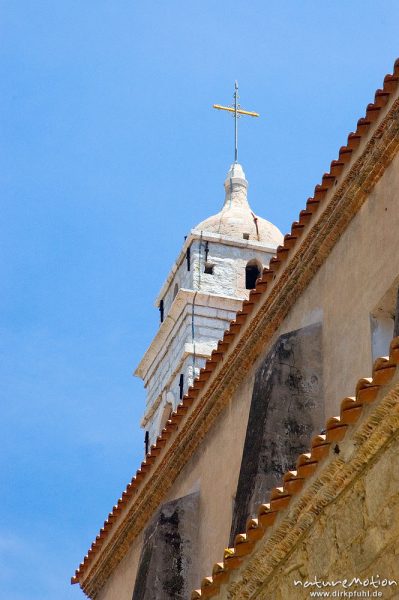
x=214, y=471
x=287, y=409
x=361, y=268
x=354, y=537
x=167, y=565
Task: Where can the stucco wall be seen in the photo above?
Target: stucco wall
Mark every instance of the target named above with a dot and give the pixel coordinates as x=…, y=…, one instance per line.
x=287, y=410
x=214, y=470
x=361, y=267
x=167, y=569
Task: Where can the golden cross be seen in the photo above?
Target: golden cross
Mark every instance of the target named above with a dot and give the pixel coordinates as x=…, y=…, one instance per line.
x=237, y=110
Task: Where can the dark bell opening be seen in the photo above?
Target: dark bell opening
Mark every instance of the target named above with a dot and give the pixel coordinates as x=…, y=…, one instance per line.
x=251, y=275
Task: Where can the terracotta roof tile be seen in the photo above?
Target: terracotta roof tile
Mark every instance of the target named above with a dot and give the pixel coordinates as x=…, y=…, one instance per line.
x=336, y=167
x=365, y=393
x=254, y=529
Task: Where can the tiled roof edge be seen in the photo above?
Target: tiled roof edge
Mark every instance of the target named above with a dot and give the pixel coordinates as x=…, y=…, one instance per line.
x=381, y=98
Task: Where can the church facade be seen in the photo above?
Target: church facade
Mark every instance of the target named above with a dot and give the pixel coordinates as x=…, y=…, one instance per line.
x=272, y=413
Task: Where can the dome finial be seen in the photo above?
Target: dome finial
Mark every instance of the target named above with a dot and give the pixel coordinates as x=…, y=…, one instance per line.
x=236, y=172
x=236, y=187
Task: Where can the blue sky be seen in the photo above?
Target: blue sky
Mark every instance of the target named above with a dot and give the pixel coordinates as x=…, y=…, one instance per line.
x=111, y=152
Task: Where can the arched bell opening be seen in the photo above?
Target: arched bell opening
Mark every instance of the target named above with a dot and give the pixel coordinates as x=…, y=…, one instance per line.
x=252, y=272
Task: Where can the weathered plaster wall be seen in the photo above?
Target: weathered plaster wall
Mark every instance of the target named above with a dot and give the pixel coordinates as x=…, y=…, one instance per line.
x=229, y=262
x=358, y=272
x=214, y=470
x=229, y=268
x=287, y=410
x=168, y=568
x=355, y=536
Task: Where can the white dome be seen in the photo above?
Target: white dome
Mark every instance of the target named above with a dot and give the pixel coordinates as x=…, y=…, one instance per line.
x=236, y=219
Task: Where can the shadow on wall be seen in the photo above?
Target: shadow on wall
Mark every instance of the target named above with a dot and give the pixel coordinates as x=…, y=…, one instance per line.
x=166, y=569
x=287, y=409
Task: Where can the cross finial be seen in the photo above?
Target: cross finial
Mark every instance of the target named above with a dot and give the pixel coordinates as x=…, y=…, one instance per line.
x=237, y=110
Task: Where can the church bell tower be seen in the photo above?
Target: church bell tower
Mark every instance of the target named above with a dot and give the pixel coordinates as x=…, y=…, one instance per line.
x=217, y=266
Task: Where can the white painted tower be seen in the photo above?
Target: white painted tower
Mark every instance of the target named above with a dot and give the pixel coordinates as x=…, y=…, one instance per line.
x=217, y=266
